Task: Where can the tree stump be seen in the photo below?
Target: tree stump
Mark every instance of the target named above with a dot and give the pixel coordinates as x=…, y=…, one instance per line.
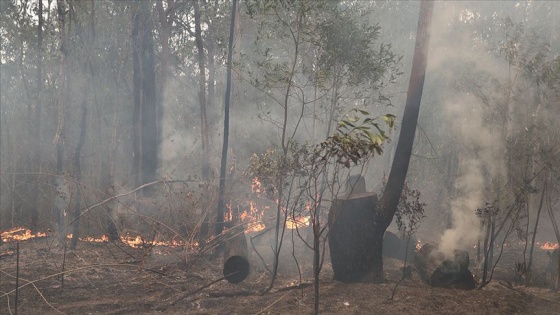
x=438, y=271
x=351, y=236
x=454, y=273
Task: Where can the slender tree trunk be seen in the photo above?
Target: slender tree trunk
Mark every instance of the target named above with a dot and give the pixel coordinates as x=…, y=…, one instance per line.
x=529, y=264
x=202, y=92
x=137, y=94
x=166, y=21
x=62, y=197
x=211, y=112
x=399, y=169
x=149, y=107
x=145, y=112
x=82, y=137
x=108, y=181
x=223, y=163
x=78, y=175
x=37, y=122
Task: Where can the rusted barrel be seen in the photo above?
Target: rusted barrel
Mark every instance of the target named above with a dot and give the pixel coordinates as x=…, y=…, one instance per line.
x=236, y=262
x=350, y=236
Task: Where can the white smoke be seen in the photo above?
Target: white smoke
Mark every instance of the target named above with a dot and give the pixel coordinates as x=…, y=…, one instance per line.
x=479, y=143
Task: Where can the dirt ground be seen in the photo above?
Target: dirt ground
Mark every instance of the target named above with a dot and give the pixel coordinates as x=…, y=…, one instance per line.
x=106, y=278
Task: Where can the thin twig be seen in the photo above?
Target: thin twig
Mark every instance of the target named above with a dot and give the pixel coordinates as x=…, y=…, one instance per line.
x=65, y=272
x=199, y=289
x=36, y=289
x=232, y=294
x=63, y=265
x=297, y=286
x=17, y=278
x=269, y=306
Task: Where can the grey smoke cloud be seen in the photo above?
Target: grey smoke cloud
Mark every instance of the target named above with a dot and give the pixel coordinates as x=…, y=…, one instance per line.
x=479, y=143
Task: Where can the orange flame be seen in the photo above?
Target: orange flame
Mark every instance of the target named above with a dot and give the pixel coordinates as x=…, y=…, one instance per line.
x=254, y=213
x=549, y=246
x=23, y=234
x=299, y=222
x=255, y=227
x=256, y=186
x=418, y=245
x=20, y=234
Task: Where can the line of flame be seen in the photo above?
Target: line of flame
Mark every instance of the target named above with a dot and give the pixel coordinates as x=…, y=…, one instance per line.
x=23, y=234
x=549, y=246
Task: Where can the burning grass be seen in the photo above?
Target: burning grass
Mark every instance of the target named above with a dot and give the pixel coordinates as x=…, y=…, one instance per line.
x=20, y=234
x=23, y=234
x=259, y=209
x=549, y=246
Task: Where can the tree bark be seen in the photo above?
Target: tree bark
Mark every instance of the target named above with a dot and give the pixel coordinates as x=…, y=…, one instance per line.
x=399, y=168
x=202, y=92
x=145, y=112
x=108, y=182
x=82, y=137
x=37, y=122
x=223, y=163
x=78, y=175
x=166, y=21
x=62, y=197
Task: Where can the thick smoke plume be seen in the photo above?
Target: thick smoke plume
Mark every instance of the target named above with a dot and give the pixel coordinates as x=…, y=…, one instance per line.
x=479, y=152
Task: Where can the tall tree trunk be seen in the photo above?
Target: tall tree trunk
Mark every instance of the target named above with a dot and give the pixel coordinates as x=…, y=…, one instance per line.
x=108, y=182
x=82, y=138
x=211, y=47
x=61, y=184
x=202, y=92
x=137, y=95
x=223, y=164
x=37, y=123
x=78, y=175
x=166, y=17
x=399, y=169
x=145, y=136
x=534, y=236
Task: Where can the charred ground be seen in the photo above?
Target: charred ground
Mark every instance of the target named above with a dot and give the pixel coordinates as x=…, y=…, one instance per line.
x=110, y=278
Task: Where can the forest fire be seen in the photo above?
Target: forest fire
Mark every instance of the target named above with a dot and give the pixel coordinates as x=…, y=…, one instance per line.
x=254, y=211
x=298, y=222
x=549, y=246
x=23, y=234
x=20, y=234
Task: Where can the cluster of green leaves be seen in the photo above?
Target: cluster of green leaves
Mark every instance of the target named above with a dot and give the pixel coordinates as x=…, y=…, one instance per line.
x=410, y=211
x=350, y=48
x=489, y=210
x=525, y=50
x=356, y=140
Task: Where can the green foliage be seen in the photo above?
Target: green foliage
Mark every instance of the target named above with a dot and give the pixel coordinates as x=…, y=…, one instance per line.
x=349, y=47
x=356, y=140
x=410, y=211
x=328, y=50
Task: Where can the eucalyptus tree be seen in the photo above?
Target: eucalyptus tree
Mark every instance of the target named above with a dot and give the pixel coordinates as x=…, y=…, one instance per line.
x=21, y=107
x=145, y=136
x=485, y=82
x=37, y=118
x=312, y=65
